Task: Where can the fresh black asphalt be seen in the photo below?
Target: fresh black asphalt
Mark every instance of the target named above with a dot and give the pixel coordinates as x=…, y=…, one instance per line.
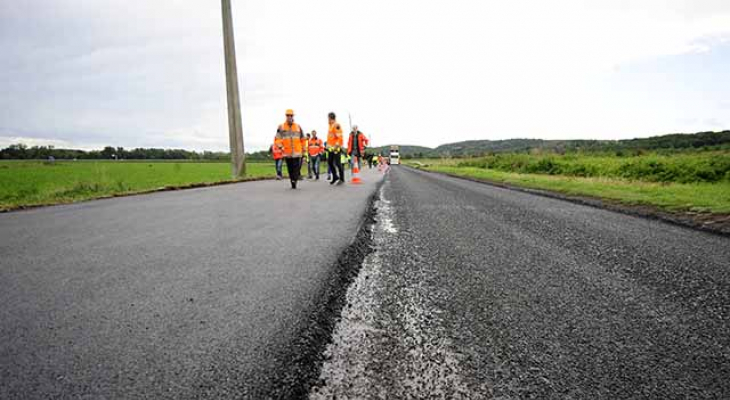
x=201, y=293
x=475, y=291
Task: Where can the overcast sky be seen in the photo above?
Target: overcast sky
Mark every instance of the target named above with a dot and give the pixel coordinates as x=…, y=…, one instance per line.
x=90, y=73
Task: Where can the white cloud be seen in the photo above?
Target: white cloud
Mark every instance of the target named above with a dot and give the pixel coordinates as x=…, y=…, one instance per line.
x=151, y=73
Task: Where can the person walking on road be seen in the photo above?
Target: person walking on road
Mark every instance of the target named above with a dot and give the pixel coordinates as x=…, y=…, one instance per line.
x=278, y=155
x=356, y=144
x=305, y=157
x=315, y=150
x=334, y=145
x=289, y=138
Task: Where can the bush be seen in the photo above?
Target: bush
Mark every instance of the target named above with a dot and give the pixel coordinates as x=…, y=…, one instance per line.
x=682, y=168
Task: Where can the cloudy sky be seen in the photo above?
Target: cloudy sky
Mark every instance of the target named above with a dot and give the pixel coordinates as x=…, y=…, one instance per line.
x=133, y=73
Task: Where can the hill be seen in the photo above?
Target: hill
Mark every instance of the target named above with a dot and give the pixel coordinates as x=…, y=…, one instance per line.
x=405, y=151
x=481, y=147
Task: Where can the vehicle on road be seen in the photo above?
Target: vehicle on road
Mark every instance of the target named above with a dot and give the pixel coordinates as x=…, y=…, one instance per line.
x=394, y=158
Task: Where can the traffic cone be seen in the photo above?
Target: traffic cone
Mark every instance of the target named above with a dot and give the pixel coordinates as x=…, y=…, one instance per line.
x=355, y=171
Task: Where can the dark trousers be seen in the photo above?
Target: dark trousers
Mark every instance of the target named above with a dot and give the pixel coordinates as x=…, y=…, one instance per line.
x=293, y=165
x=335, y=163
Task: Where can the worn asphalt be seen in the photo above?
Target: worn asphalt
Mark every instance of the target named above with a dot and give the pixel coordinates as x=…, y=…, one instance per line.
x=474, y=291
x=201, y=293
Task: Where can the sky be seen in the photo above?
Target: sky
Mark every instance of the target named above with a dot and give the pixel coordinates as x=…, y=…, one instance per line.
x=91, y=73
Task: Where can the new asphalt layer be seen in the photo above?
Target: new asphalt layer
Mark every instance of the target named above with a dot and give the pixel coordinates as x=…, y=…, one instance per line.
x=220, y=292
x=474, y=291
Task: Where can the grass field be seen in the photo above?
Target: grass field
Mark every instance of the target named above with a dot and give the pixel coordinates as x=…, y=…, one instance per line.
x=32, y=183
x=610, y=178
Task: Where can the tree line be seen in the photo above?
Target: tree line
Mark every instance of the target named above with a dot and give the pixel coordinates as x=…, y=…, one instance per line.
x=700, y=140
x=23, y=152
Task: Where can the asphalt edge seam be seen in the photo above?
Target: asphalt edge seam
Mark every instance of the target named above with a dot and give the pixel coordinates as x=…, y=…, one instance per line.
x=303, y=369
x=636, y=211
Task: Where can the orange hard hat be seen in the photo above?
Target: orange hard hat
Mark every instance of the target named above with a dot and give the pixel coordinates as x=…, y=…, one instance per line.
x=290, y=112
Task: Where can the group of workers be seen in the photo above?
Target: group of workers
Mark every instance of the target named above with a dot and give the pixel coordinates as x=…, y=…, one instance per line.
x=293, y=147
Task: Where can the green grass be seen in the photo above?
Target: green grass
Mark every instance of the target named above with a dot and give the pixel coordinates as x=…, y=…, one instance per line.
x=31, y=183
x=710, y=166
x=673, y=197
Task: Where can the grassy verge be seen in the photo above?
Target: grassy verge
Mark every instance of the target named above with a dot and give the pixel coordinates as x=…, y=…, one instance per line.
x=672, y=197
x=708, y=166
x=34, y=183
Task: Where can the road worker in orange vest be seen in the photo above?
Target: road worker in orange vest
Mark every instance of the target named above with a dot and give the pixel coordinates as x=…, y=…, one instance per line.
x=334, y=146
x=305, y=156
x=356, y=146
x=278, y=155
x=315, y=150
x=289, y=139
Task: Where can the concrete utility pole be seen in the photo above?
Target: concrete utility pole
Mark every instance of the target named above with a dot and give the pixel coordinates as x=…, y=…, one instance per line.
x=235, y=130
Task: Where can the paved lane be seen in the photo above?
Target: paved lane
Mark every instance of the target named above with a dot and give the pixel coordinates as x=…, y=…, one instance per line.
x=189, y=294
x=475, y=291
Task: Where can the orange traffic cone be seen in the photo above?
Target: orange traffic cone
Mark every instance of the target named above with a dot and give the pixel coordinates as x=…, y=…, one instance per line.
x=355, y=171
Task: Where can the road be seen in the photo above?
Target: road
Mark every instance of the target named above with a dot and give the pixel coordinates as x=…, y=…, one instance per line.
x=475, y=291
x=202, y=293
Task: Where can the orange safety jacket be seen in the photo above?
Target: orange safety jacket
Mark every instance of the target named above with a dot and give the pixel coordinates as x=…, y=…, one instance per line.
x=276, y=152
x=315, y=147
x=289, y=139
x=362, y=141
x=334, y=136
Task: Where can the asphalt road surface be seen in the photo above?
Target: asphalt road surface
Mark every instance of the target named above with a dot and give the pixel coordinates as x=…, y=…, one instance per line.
x=202, y=293
x=474, y=291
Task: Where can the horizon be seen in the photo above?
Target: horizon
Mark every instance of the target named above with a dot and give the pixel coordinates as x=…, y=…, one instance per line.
x=379, y=146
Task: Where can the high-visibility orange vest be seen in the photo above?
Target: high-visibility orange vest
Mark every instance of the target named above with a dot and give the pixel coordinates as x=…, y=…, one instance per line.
x=289, y=139
x=334, y=136
x=276, y=151
x=315, y=147
x=362, y=141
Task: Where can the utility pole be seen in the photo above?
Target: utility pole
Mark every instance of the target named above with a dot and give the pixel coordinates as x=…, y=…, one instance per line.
x=235, y=130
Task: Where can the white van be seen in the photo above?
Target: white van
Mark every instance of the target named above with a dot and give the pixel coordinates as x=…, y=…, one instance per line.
x=394, y=158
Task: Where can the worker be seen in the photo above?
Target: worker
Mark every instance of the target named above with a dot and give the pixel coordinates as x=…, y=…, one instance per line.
x=278, y=155
x=326, y=160
x=289, y=139
x=315, y=153
x=356, y=146
x=345, y=160
x=334, y=145
x=305, y=156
